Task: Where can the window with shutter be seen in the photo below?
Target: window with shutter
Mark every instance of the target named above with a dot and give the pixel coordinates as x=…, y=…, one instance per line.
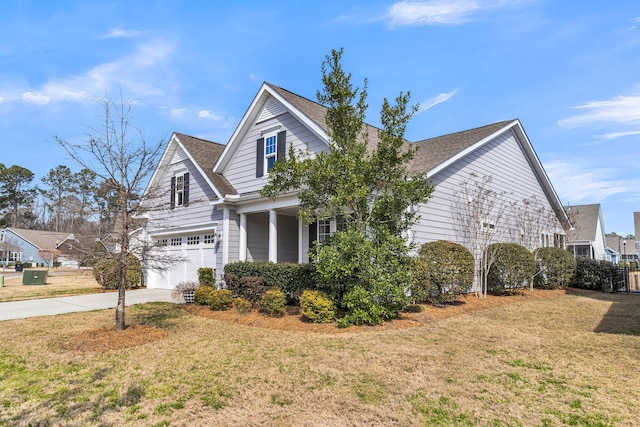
x=180, y=190
x=269, y=150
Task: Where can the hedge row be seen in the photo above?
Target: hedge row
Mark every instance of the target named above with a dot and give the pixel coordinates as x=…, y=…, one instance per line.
x=595, y=275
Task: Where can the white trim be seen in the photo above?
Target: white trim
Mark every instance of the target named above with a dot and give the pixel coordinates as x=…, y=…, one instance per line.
x=300, y=241
x=183, y=230
x=263, y=205
x=242, y=244
x=225, y=236
x=273, y=236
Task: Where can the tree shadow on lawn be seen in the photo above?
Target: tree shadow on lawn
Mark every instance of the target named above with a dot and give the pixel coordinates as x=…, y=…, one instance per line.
x=623, y=316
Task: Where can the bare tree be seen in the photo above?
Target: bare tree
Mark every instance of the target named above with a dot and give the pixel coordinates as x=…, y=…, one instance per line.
x=479, y=213
x=536, y=226
x=120, y=155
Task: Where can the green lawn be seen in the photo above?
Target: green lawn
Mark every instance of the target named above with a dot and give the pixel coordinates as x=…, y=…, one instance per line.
x=572, y=360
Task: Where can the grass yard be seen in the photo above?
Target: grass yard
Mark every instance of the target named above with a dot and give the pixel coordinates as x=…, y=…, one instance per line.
x=60, y=282
x=566, y=360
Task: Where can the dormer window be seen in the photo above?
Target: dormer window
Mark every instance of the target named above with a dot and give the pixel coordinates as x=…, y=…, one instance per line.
x=180, y=190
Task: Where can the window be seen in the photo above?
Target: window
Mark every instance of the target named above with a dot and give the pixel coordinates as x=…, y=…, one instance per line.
x=193, y=240
x=209, y=239
x=487, y=226
x=270, y=152
x=14, y=256
x=324, y=229
x=176, y=241
x=162, y=242
x=180, y=190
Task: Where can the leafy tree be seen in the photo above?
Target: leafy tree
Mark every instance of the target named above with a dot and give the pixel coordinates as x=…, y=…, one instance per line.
x=365, y=180
x=59, y=184
x=123, y=159
x=16, y=190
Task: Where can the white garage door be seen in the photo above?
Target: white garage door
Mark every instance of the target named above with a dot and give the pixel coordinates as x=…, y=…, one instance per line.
x=192, y=251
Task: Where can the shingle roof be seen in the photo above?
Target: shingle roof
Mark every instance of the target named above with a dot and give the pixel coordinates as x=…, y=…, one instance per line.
x=206, y=154
x=615, y=243
x=43, y=239
x=434, y=151
x=585, y=221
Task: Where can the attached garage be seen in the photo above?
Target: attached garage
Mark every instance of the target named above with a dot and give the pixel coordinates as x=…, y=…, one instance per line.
x=190, y=252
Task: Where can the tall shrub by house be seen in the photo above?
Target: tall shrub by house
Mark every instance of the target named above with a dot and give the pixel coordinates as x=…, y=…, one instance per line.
x=512, y=269
x=555, y=268
x=107, y=273
x=451, y=268
x=595, y=275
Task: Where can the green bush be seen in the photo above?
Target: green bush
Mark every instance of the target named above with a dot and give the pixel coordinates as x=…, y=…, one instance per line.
x=512, y=269
x=250, y=288
x=242, y=306
x=317, y=307
x=450, y=269
x=107, y=273
x=421, y=287
x=555, y=268
x=202, y=295
x=273, y=303
x=220, y=299
x=207, y=276
x=595, y=275
x=290, y=278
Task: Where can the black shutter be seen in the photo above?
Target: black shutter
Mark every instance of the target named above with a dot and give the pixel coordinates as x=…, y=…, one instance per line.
x=173, y=192
x=313, y=233
x=260, y=158
x=185, y=192
x=282, y=145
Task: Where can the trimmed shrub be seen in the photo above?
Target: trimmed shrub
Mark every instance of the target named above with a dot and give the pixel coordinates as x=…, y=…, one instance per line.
x=595, y=275
x=107, y=273
x=220, y=299
x=242, y=306
x=555, y=268
x=202, y=295
x=316, y=307
x=513, y=268
x=451, y=269
x=273, y=303
x=185, y=292
x=421, y=287
x=207, y=276
x=292, y=279
x=250, y=288
x=362, y=309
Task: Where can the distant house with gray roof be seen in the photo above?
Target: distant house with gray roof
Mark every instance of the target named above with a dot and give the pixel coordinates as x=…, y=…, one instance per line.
x=587, y=236
x=26, y=246
x=215, y=214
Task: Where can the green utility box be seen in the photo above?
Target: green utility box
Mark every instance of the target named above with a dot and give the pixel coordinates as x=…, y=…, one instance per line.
x=34, y=277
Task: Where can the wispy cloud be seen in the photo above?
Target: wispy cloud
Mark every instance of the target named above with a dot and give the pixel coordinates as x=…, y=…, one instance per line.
x=583, y=184
x=615, y=135
x=621, y=109
x=134, y=72
x=440, y=12
x=119, y=33
x=206, y=114
x=438, y=99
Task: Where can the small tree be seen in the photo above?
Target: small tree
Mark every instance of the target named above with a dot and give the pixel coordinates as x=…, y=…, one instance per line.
x=16, y=190
x=479, y=215
x=369, y=185
x=120, y=155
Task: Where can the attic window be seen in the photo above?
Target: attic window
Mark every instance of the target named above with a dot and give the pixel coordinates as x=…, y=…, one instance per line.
x=180, y=190
x=270, y=148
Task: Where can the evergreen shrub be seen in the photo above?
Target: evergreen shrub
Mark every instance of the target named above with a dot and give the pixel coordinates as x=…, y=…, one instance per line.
x=242, y=306
x=317, y=307
x=220, y=299
x=451, y=268
x=273, y=303
x=555, y=268
x=107, y=273
x=512, y=269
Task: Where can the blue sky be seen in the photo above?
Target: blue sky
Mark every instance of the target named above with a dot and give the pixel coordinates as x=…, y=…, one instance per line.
x=569, y=71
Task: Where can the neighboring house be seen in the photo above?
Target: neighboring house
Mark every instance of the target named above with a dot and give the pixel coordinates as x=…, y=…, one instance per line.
x=636, y=223
x=27, y=245
x=587, y=238
x=621, y=249
x=216, y=214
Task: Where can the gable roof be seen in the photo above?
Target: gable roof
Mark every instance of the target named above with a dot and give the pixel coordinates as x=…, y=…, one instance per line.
x=205, y=154
x=43, y=239
x=614, y=243
x=585, y=222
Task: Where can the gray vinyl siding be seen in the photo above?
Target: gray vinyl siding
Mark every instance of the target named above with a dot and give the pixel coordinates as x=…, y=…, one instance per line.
x=502, y=159
x=198, y=211
x=258, y=236
x=287, y=238
x=241, y=171
x=234, y=236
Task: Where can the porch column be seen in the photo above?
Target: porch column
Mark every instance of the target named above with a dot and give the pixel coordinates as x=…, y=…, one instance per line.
x=242, y=255
x=273, y=236
x=300, y=241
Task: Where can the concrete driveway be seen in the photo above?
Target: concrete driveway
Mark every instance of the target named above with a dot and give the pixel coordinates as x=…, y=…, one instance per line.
x=62, y=305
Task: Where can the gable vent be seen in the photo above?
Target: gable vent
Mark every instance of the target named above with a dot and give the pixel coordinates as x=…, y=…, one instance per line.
x=179, y=156
x=272, y=109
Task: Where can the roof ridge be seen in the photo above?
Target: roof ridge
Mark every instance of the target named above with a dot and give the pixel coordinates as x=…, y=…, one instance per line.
x=466, y=130
x=200, y=139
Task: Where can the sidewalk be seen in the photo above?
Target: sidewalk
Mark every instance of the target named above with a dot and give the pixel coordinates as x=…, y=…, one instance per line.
x=61, y=305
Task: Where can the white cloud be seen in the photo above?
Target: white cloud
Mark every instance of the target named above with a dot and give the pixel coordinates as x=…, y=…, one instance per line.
x=206, y=114
x=440, y=12
x=576, y=183
x=178, y=113
x=438, y=99
x=118, y=33
x=621, y=109
x=134, y=72
x=616, y=135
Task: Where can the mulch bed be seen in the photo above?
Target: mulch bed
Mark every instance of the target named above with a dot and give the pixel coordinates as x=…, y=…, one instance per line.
x=106, y=339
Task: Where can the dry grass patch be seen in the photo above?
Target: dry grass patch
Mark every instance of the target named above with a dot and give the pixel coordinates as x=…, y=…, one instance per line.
x=532, y=362
x=60, y=282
